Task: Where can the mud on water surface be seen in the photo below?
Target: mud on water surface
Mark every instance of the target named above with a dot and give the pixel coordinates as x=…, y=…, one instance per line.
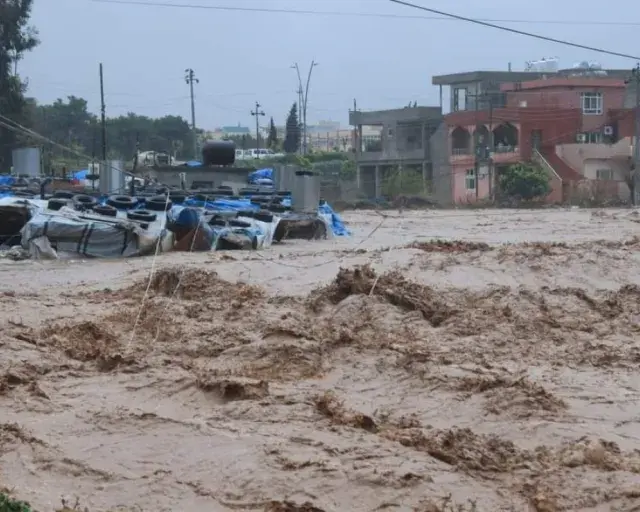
x=390, y=371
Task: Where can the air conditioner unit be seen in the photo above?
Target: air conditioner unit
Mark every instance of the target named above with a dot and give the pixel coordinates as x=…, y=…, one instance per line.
x=581, y=137
x=523, y=104
x=608, y=130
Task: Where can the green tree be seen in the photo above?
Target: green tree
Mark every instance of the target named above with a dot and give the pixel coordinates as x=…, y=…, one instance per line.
x=524, y=181
x=272, y=139
x=16, y=38
x=291, y=142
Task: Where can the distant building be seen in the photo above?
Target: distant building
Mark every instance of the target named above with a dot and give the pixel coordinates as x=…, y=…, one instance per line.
x=225, y=132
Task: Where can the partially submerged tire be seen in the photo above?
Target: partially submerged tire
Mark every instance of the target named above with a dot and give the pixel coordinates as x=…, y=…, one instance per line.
x=63, y=194
x=56, y=203
x=263, y=217
x=236, y=223
x=142, y=215
x=246, y=213
x=277, y=208
x=105, y=209
x=84, y=200
x=158, y=204
x=218, y=222
x=122, y=202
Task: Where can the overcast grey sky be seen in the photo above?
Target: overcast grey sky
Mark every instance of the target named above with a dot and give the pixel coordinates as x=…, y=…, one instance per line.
x=243, y=57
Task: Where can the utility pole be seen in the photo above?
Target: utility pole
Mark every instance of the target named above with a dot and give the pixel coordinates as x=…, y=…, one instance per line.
x=636, y=137
x=257, y=113
x=305, y=98
x=103, y=117
x=191, y=79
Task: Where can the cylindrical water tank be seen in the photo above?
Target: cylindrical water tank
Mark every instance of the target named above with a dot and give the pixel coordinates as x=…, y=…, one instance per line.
x=305, y=191
x=283, y=177
x=219, y=152
x=26, y=162
x=112, y=177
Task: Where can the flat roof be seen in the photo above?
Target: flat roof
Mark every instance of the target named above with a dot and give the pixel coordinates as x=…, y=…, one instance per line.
x=515, y=76
x=478, y=76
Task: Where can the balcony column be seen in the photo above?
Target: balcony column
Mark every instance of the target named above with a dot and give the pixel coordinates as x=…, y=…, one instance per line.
x=378, y=184
x=358, y=176
x=425, y=184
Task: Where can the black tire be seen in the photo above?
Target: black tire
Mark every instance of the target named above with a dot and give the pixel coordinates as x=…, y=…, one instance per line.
x=246, y=213
x=122, y=202
x=260, y=200
x=63, y=194
x=105, y=209
x=201, y=198
x=246, y=192
x=24, y=194
x=218, y=221
x=56, y=203
x=92, y=177
x=283, y=193
x=142, y=215
x=263, y=217
x=277, y=208
x=224, y=192
x=158, y=204
x=225, y=187
x=84, y=200
x=254, y=243
x=236, y=223
x=178, y=199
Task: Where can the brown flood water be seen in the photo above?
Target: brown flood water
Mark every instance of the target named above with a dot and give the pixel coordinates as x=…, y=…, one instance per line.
x=420, y=377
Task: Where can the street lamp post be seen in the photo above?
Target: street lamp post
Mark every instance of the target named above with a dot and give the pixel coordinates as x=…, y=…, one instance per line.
x=303, y=96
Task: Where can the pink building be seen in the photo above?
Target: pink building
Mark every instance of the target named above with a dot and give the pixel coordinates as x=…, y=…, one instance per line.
x=594, y=96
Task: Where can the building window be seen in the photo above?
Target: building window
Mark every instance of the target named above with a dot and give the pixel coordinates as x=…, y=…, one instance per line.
x=459, y=99
x=591, y=103
x=470, y=179
x=604, y=174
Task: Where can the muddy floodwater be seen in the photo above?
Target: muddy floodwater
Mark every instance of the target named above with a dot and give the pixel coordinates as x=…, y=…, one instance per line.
x=434, y=361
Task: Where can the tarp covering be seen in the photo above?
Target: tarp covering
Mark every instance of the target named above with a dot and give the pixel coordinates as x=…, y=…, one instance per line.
x=261, y=176
x=333, y=220
x=6, y=180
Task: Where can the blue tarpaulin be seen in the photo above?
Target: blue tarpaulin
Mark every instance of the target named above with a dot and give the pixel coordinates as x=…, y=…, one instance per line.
x=261, y=174
x=80, y=175
x=6, y=180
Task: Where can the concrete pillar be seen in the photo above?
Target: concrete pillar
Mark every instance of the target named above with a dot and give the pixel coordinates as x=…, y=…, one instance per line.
x=358, y=176
x=378, y=182
x=425, y=178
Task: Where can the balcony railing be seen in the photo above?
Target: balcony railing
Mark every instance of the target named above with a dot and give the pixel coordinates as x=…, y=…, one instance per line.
x=460, y=151
x=505, y=149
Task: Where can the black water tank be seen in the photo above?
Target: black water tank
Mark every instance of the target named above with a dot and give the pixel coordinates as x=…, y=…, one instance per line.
x=219, y=152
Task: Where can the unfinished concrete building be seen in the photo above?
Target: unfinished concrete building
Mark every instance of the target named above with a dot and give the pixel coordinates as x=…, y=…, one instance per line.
x=403, y=144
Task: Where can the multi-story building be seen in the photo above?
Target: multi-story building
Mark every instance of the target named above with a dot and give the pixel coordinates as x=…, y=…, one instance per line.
x=499, y=118
x=403, y=140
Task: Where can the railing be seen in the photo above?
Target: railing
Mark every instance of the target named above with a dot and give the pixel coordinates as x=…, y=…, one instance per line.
x=460, y=151
x=537, y=157
x=505, y=149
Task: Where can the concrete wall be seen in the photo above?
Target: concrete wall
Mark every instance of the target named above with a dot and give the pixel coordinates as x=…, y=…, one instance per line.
x=442, y=181
x=170, y=176
x=392, y=116
x=462, y=195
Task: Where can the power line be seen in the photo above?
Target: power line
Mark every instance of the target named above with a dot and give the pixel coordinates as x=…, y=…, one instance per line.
x=359, y=14
x=514, y=31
